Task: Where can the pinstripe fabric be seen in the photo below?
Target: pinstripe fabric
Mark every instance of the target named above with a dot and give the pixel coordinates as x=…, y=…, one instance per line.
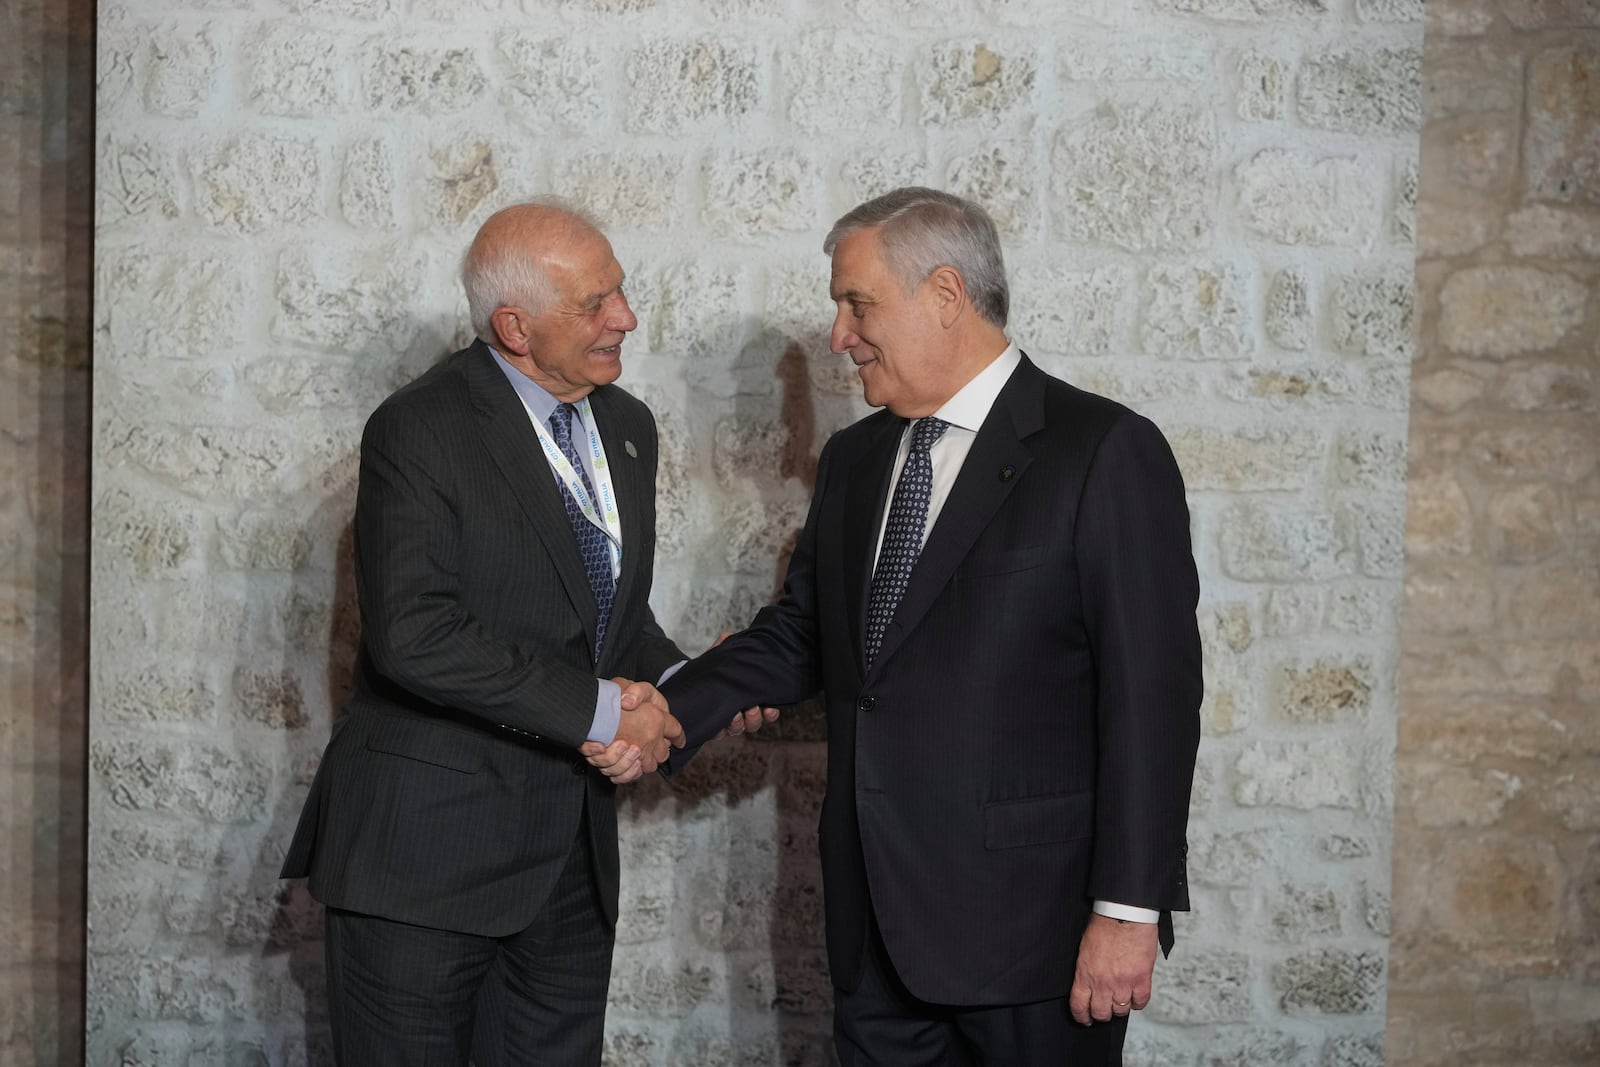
x=1024, y=741
x=450, y=792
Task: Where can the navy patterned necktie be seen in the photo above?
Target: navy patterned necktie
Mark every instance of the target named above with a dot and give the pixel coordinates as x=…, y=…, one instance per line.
x=593, y=545
x=902, y=535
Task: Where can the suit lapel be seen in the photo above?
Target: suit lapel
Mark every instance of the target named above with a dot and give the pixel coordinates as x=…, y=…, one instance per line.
x=514, y=445
x=866, y=495
x=631, y=485
x=980, y=488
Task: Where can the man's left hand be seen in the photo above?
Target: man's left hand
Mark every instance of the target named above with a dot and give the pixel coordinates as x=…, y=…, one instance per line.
x=1115, y=963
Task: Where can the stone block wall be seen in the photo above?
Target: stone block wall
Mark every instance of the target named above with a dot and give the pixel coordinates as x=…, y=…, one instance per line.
x=1208, y=209
x=46, y=245
x=1496, y=955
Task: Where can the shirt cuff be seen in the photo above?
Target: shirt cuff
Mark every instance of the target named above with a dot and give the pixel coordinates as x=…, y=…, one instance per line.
x=669, y=672
x=607, y=712
x=1126, y=911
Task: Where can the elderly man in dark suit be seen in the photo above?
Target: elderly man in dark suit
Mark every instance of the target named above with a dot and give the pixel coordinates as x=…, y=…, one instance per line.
x=505, y=540
x=995, y=590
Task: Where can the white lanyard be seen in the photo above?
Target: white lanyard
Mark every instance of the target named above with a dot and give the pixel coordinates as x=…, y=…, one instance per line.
x=611, y=523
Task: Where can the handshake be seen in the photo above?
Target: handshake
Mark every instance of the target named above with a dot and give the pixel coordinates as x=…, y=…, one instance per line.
x=647, y=733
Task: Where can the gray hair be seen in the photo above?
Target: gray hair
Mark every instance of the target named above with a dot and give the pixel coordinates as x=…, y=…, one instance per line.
x=502, y=273
x=923, y=230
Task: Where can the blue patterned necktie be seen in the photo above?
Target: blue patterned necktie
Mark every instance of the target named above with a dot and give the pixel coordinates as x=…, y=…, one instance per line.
x=593, y=545
x=902, y=535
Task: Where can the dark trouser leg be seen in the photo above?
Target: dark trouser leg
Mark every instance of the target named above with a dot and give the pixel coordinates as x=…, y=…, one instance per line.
x=880, y=1024
x=545, y=999
x=399, y=995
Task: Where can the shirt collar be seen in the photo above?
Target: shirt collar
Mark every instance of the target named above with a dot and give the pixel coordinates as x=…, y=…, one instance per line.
x=970, y=406
x=540, y=404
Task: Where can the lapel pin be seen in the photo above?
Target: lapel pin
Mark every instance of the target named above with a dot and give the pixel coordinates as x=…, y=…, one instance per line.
x=1007, y=472
x=627, y=446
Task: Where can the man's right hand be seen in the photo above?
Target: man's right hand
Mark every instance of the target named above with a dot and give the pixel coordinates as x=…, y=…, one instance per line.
x=646, y=733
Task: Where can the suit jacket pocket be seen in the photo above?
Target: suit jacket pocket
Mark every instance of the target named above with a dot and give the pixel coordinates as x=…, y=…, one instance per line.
x=426, y=742
x=1003, y=561
x=1038, y=820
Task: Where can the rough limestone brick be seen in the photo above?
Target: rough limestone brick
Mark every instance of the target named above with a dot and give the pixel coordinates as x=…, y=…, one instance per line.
x=157, y=694
x=1361, y=91
x=257, y=181
x=625, y=190
x=676, y=85
x=1370, y=460
x=1534, y=450
x=1389, y=10
x=1503, y=311
x=1403, y=220
x=1203, y=986
x=159, y=307
x=1263, y=81
x=984, y=82
x=1246, y=460
x=1355, y=1050
x=749, y=194
x=296, y=73
x=152, y=539
x=1561, y=159
x=1289, y=321
x=1540, y=230
x=350, y=9
x=1295, y=198
x=1325, y=691
x=1231, y=858
x=696, y=309
x=1299, y=913
x=133, y=180
x=1303, y=776
x=1525, y=522
x=1330, y=982
x=877, y=174
x=346, y=300
x=1183, y=58
x=367, y=184
x=1449, y=390
x=1001, y=178
x=217, y=784
x=821, y=101
x=181, y=71
x=1554, y=14
x=553, y=84
x=397, y=76
x=1261, y=542
x=1371, y=314
x=1170, y=146
x=1293, y=610
x=1547, y=387
x=1247, y=1046
x=1072, y=312
x=1245, y=10
x=1198, y=311
x=462, y=182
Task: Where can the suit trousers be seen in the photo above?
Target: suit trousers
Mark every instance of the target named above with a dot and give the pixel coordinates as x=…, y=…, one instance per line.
x=409, y=996
x=881, y=1024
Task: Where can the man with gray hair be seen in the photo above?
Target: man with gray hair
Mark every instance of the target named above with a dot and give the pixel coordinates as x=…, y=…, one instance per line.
x=505, y=539
x=995, y=590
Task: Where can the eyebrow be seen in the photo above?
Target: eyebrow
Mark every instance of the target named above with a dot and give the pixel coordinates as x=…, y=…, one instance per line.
x=852, y=295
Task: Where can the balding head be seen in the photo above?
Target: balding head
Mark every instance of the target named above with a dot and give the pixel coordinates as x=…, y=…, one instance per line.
x=507, y=263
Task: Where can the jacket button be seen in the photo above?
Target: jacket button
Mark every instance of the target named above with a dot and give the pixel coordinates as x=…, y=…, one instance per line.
x=579, y=766
x=866, y=703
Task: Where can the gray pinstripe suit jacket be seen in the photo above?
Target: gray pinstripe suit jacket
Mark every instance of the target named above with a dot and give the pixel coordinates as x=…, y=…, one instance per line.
x=450, y=793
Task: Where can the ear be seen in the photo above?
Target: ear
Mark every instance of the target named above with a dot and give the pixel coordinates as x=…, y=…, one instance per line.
x=950, y=294
x=510, y=332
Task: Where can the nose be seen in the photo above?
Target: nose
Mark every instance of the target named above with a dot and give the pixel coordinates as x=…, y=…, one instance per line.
x=842, y=338
x=622, y=316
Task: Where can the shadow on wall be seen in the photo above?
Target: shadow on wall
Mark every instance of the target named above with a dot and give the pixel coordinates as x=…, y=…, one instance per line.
x=321, y=640
x=758, y=902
